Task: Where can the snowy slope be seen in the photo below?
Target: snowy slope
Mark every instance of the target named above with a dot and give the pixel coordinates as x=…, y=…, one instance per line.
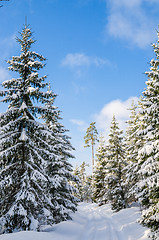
x=91, y=223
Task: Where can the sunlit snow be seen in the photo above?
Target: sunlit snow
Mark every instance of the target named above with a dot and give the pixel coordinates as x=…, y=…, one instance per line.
x=91, y=222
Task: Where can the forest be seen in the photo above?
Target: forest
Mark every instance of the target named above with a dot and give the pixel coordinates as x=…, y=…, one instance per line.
x=38, y=185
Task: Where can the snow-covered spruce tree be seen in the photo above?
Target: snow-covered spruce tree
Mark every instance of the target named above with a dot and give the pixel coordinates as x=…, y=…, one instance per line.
x=60, y=172
x=133, y=143
x=148, y=157
x=25, y=199
x=77, y=184
x=84, y=185
x=88, y=189
x=114, y=168
x=99, y=173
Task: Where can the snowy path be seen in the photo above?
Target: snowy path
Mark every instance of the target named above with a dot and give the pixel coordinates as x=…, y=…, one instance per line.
x=99, y=226
x=91, y=223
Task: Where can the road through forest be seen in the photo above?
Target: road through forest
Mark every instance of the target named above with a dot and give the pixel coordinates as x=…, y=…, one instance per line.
x=91, y=222
x=100, y=223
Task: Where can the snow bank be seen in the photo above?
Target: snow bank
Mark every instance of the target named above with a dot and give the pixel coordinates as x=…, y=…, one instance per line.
x=91, y=222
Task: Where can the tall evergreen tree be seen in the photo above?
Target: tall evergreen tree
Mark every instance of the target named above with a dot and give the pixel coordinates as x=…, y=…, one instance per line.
x=26, y=201
x=148, y=157
x=90, y=139
x=99, y=173
x=133, y=142
x=114, y=168
x=60, y=172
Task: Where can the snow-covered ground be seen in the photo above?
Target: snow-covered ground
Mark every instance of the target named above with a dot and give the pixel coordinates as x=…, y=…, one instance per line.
x=91, y=222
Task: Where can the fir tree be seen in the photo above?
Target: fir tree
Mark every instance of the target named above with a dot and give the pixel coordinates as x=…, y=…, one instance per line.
x=77, y=183
x=60, y=172
x=133, y=143
x=99, y=173
x=84, y=185
x=90, y=139
x=114, y=168
x=88, y=189
x=26, y=201
x=148, y=157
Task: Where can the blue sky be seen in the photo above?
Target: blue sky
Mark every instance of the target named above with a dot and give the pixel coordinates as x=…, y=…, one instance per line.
x=97, y=52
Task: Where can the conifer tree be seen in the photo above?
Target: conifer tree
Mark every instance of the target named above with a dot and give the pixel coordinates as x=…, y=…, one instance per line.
x=99, y=173
x=114, y=168
x=133, y=143
x=60, y=172
x=88, y=189
x=26, y=201
x=77, y=184
x=148, y=157
x=90, y=139
x=84, y=185
x=86, y=181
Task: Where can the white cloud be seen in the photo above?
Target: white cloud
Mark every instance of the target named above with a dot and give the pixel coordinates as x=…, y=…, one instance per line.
x=129, y=20
x=4, y=75
x=78, y=88
x=80, y=59
x=117, y=107
x=82, y=125
x=126, y=3
x=6, y=45
x=77, y=59
x=78, y=122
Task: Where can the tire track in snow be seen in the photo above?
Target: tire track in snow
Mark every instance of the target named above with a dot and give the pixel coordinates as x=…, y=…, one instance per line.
x=100, y=226
x=112, y=227
x=89, y=229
